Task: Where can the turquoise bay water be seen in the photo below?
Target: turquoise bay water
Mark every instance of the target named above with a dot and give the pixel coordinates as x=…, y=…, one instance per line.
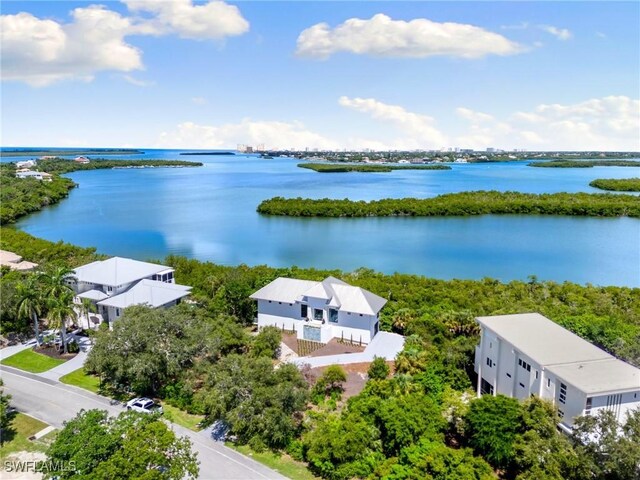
x=209, y=213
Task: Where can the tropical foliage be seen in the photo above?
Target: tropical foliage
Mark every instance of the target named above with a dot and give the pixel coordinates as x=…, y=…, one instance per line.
x=617, y=184
x=60, y=165
x=586, y=163
x=131, y=445
x=348, y=167
x=460, y=204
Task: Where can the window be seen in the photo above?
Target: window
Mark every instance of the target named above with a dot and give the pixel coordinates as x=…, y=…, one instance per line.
x=333, y=315
x=489, y=362
x=587, y=408
x=560, y=413
x=562, y=398
x=548, y=383
x=117, y=312
x=522, y=385
x=524, y=365
x=304, y=311
x=317, y=314
x=536, y=374
x=509, y=375
x=486, y=387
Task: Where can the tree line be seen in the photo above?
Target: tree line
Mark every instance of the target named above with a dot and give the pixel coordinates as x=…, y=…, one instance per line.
x=617, y=184
x=460, y=204
x=61, y=165
x=585, y=163
x=343, y=168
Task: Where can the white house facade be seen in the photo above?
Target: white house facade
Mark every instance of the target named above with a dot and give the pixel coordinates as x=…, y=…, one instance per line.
x=320, y=311
x=117, y=283
x=528, y=354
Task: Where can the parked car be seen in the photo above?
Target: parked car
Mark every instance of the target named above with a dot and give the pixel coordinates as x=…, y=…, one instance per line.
x=144, y=405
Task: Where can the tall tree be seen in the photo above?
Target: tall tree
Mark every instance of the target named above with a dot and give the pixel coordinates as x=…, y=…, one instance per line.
x=30, y=303
x=129, y=446
x=55, y=280
x=4, y=412
x=61, y=309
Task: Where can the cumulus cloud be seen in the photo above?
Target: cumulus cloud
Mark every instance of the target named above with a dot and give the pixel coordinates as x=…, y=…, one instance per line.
x=559, y=33
x=42, y=51
x=384, y=37
x=418, y=130
x=609, y=123
x=213, y=20
x=273, y=134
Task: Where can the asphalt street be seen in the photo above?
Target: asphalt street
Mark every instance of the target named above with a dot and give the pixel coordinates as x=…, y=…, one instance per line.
x=54, y=402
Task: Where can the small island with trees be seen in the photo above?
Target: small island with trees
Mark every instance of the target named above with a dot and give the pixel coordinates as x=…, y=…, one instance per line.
x=349, y=167
x=617, y=184
x=460, y=204
x=585, y=163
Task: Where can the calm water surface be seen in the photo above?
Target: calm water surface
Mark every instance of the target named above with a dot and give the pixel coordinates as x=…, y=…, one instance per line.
x=209, y=213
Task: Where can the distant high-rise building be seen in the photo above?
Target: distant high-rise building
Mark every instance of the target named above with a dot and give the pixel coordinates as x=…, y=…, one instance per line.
x=260, y=147
x=491, y=150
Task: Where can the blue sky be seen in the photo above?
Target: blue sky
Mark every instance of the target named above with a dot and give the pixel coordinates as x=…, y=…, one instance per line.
x=535, y=75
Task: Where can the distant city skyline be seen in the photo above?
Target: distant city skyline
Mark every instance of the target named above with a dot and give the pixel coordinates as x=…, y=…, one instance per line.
x=354, y=75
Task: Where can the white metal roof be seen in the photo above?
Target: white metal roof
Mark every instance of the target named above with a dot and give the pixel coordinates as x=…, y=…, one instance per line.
x=599, y=376
x=286, y=290
x=541, y=339
x=335, y=292
x=117, y=271
x=93, y=295
x=147, y=292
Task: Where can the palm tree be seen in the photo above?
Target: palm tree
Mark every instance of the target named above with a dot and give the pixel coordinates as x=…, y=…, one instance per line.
x=30, y=303
x=87, y=307
x=60, y=310
x=55, y=280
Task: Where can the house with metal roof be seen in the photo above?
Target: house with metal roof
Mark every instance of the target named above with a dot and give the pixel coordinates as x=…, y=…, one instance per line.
x=528, y=354
x=117, y=283
x=320, y=311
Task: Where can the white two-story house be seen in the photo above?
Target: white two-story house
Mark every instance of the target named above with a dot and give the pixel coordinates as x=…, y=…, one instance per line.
x=320, y=311
x=117, y=283
x=528, y=354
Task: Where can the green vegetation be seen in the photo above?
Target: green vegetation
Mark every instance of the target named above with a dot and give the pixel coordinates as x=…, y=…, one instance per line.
x=187, y=420
x=460, y=204
x=131, y=445
x=31, y=361
x=15, y=438
x=66, y=153
x=378, y=370
x=617, y=184
x=586, y=163
x=60, y=165
x=342, y=167
x=79, y=378
x=281, y=463
x=21, y=196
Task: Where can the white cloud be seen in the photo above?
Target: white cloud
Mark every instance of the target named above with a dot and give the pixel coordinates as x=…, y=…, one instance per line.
x=137, y=81
x=213, y=20
x=517, y=26
x=559, y=33
x=199, y=100
x=273, y=134
x=418, y=130
x=609, y=123
x=42, y=51
x=418, y=38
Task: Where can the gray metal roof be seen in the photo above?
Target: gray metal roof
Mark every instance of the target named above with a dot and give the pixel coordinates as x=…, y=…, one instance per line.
x=541, y=339
x=563, y=353
x=93, y=295
x=117, y=271
x=335, y=292
x=147, y=292
x=599, y=376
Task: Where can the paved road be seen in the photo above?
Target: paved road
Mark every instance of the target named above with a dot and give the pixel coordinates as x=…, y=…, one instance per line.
x=53, y=403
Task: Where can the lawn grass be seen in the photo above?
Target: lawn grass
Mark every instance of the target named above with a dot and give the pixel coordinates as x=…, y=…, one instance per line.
x=31, y=361
x=282, y=464
x=79, y=378
x=17, y=436
x=182, y=418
